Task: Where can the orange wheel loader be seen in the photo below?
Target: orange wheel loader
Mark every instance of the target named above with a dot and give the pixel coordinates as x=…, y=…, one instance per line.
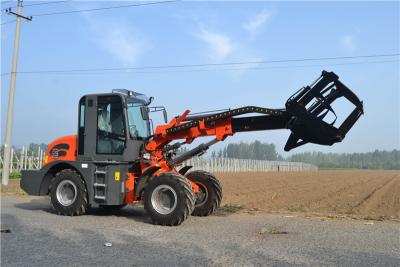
x=116, y=159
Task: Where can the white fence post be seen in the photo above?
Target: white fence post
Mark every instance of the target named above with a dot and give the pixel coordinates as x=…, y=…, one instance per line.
x=24, y=159
x=246, y=165
x=27, y=160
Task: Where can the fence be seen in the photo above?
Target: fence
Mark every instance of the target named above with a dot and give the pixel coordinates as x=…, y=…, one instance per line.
x=246, y=165
x=24, y=159
x=27, y=160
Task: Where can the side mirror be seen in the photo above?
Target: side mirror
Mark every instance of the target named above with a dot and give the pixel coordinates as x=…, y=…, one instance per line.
x=157, y=109
x=150, y=100
x=145, y=112
x=165, y=116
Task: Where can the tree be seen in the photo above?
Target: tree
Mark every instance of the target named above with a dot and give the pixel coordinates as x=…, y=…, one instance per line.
x=370, y=160
x=265, y=151
x=255, y=150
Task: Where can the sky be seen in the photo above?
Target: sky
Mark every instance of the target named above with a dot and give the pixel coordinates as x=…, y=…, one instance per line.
x=202, y=33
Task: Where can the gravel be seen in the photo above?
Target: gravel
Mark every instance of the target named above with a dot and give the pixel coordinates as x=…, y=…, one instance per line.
x=38, y=237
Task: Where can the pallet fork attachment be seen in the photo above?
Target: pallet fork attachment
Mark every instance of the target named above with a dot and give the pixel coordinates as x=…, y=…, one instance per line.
x=308, y=107
x=304, y=116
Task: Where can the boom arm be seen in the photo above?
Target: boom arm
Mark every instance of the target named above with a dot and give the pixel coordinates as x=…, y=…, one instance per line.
x=220, y=125
x=304, y=116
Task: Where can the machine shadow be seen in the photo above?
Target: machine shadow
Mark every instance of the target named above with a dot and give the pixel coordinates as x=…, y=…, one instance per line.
x=136, y=213
x=35, y=204
x=132, y=212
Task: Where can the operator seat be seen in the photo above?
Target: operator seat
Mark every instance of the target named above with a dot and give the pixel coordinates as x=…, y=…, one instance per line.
x=103, y=124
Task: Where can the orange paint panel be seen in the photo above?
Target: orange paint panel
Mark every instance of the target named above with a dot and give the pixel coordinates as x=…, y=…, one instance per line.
x=220, y=129
x=64, y=148
x=195, y=187
x=130, y=189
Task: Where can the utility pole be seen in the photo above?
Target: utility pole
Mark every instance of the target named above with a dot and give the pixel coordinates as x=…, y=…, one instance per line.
x=10, y=112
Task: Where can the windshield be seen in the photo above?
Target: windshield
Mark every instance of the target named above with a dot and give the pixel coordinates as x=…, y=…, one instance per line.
x=138, y=127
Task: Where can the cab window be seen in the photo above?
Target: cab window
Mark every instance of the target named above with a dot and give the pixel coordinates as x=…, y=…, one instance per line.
x=111, y=135
x=138, y=127
x=81, y=126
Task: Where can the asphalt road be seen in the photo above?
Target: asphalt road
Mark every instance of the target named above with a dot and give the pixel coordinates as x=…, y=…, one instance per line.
x=41, y=238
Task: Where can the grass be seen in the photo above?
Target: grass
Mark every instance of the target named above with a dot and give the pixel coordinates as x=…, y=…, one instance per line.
x=13, y=188
x=15, y=175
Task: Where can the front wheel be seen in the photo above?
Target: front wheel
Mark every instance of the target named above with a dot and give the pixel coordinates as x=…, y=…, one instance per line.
x=169, y=199
x=209, y=197
x=68, y=193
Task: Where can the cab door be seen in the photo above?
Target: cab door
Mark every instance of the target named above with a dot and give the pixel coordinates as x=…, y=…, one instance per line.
x=110, y=133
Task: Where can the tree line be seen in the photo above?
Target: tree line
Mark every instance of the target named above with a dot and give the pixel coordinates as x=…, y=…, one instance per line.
x=254, y=150
x=378, y=159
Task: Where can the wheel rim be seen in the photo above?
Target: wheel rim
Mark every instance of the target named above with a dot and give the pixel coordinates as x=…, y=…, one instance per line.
x=164, y=199
x=202, y=195
x=66, y=193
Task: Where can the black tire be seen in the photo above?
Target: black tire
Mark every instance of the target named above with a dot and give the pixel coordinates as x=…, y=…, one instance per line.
x=179, y=193
x=79, y=205
x=210, y=195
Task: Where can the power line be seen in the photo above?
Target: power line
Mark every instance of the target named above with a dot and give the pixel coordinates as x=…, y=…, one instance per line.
x=237, y=63
x=103, y=8
x=40, y=4
x=88, y=10
x=214, y=69
x=287, y=66
x=46, y=3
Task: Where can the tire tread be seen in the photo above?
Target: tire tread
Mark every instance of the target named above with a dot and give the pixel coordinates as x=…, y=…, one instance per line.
x=80, y=209
x=189, y=200
x=217, y=188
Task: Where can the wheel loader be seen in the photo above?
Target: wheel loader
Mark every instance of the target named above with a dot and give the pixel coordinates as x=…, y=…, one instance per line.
x=117, y=158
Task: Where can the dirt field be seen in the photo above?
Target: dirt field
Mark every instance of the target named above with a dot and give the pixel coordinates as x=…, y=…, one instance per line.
x=365, y=194
x=361, y=194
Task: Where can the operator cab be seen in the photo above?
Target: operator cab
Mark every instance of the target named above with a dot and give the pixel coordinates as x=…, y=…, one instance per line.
x=112, y=127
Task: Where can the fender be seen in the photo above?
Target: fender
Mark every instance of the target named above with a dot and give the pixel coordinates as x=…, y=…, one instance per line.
x=184, y=170
x=142, y=180
x=37, y=182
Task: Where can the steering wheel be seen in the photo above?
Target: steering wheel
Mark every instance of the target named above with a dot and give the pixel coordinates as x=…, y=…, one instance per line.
x=111, y=135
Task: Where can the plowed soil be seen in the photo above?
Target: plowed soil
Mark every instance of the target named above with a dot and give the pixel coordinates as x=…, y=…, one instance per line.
x=364, y=194
x=354, y=193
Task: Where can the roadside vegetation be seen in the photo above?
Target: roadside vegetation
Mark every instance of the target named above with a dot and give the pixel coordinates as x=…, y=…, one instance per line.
x=15, y=175
x=378, y=159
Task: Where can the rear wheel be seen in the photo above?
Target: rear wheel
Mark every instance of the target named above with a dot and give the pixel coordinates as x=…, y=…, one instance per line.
x=68, y=193
x=209, y=197
x=169, y=199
